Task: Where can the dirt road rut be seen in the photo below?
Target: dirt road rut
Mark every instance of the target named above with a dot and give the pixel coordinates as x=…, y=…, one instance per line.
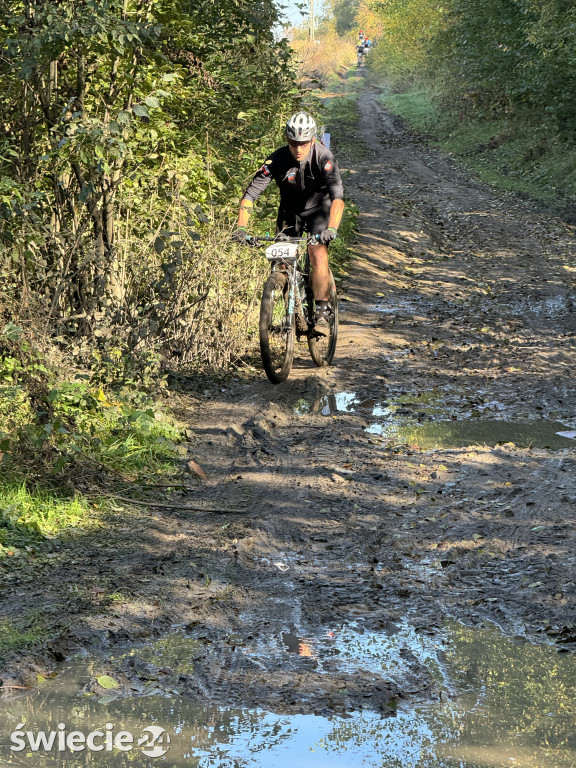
x=387, y=488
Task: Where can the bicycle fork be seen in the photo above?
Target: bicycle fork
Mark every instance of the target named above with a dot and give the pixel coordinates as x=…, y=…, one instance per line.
x=302, y=328
x=296, y=291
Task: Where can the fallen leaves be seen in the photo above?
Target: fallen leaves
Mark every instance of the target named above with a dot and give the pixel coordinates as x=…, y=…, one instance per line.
x=107, y=682
x=197, y=470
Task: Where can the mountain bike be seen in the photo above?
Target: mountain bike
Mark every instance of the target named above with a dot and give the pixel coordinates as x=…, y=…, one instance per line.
x=287, y=308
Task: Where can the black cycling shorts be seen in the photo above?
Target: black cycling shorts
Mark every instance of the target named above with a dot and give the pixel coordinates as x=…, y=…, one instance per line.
x=295, y=224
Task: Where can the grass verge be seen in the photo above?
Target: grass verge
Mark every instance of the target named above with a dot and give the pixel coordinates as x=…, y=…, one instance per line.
x=28, y=515
x=94, y=438
x=342, y=249
x=341, y=116
x=512, y=155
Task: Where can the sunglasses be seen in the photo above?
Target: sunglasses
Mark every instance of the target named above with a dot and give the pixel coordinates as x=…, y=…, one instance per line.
x=298, y=143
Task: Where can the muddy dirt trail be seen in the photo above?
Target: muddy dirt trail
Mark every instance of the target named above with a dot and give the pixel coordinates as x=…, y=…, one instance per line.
x=421, y=477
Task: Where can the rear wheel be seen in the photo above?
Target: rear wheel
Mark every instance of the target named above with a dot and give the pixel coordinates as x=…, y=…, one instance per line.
x=276, y=331
x=322, y=348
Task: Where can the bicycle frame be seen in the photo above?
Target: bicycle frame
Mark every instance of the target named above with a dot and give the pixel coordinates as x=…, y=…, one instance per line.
x=293, y=262
x=287, y=308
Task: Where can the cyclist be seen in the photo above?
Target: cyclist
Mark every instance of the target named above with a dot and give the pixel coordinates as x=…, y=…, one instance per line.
x=360, y=52
x=311, y=200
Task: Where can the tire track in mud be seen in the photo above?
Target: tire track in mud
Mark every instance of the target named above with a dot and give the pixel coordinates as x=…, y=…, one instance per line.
x=347, y=528
x=459, y=298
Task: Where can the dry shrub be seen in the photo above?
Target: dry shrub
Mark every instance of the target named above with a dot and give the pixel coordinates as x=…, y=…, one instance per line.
x=193, y=295
x=187, y=296
x=319, y=59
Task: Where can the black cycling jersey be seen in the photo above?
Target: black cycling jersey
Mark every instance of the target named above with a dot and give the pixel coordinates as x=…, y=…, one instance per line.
x=304, y=187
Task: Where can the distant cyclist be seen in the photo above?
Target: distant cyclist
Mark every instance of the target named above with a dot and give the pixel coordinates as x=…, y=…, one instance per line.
x=311, y=200
x=360, y=53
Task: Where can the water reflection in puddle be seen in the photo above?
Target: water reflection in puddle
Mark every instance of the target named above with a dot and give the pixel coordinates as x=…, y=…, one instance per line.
x=338, y=402
x=504, y=704
x=436, y=419
x=351, y=649
x=457, y=434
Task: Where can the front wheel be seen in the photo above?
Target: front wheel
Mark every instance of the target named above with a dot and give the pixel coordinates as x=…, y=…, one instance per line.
x=322, y=348
x=276, y=329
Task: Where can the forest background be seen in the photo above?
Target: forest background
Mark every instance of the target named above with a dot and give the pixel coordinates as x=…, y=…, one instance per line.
x=128, y=129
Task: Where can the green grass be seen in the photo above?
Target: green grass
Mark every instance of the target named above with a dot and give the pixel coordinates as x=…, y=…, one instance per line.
x=341, y=118
x=19, y=637
x=127, y=433
x=342, y=249
x=517, y=158
x=27, y=515
x=341, y=114
x=47, y=420
x=514, y=155
x=341, y=111
x=343, y=80
x=132, y=440
x=416, y=108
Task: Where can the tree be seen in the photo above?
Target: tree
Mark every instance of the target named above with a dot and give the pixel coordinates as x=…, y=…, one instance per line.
x=109, y=112
x=482, y=52
x=343, y=12
x=405, y=31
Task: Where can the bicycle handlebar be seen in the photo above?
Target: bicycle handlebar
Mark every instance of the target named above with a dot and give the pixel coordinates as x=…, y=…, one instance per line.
x=258, y=240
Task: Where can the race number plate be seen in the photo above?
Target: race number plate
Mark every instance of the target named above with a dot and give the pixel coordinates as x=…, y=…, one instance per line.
x=282, y=251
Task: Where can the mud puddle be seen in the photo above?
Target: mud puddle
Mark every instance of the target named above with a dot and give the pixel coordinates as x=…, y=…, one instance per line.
x=399, y=306
x=547, y=306
x=499, y=702
x=434, y=419
x=450, y=434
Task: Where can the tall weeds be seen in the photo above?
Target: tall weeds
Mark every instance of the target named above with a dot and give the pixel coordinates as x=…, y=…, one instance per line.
x=321, y=58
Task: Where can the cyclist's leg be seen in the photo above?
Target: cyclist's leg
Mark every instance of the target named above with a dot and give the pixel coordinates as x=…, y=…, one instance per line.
x=320, y=271
x=322, y=338
x=314, y=224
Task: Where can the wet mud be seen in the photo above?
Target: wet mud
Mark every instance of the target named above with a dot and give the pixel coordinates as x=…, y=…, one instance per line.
x=421, y=478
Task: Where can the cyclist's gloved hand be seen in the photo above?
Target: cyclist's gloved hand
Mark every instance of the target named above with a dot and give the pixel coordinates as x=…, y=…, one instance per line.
x=240, y=235
x=327, y=235
x=280, y=237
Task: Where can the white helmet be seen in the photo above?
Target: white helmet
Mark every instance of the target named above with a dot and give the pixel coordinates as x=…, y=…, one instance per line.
x=301, y=127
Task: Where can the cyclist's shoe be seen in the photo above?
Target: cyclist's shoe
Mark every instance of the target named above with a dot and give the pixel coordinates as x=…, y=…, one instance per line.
x=322, y=321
